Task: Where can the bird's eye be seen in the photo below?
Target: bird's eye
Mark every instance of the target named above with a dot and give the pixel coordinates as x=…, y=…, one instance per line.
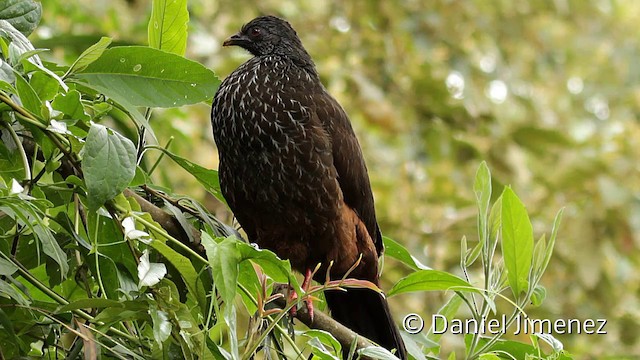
x=255, y=32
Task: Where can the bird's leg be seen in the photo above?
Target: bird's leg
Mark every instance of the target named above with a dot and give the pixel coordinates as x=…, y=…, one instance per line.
x=305, y=286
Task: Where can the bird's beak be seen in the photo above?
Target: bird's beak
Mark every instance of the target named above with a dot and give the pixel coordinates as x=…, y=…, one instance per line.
x=237, y=39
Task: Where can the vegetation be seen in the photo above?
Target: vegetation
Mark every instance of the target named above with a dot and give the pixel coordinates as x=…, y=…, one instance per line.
x=113, y=246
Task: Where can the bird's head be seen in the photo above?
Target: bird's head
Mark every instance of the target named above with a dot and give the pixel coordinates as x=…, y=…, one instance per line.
x=269, y=35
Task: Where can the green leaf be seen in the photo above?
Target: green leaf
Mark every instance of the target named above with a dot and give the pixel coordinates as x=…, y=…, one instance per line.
x=161, y=325
x=29, y=215
x=7, y=326
x=10, y=292
x=149, y=77
x=185, y=268
x=24, y=15
x=482, y=189
x=489, y=356
x=448, y=310
x=90, y=55
x=45, y=86
x=539, y=250
x=399, y=252
x=324, y=338
x=516, y=350
x=7, y=268
x=552, y=242
x=277, y=269
x=223, y=258
x=11, y=165
x=429, y=280
x=168, y=26
x=538, y=295
x=28, y=96
x=207, y=177
x=94, y=303
x=70, y=105
x=517, y=241
x=319, y=350
x=109, y=164
x=376, y=352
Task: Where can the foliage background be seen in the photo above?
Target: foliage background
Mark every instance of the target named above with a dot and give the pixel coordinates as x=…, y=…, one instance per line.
x=545, y=91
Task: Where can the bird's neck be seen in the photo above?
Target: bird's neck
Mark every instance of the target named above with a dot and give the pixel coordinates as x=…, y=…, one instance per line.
x=303, y=63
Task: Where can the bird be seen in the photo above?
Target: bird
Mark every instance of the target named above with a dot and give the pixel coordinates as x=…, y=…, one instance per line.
x=293, y=173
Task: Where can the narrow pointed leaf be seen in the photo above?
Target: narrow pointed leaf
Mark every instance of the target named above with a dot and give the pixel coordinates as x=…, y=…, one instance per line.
x=517, y=241
x=90, y=55
x=429, y=280
x=399, y=252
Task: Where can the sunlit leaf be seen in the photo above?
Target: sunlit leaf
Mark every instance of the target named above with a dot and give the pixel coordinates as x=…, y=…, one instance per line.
x=429, y=280
x=517, y=241
x=399, y=252
x=167, y=29
x=90, y=55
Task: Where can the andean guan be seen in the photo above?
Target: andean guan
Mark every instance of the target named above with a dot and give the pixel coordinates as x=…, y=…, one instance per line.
x=292, y=171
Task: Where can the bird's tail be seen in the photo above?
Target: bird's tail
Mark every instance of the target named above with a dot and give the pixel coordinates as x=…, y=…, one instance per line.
x=367, y=313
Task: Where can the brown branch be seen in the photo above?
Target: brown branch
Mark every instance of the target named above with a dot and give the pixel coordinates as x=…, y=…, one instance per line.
x=322, y=321
x=168, y=222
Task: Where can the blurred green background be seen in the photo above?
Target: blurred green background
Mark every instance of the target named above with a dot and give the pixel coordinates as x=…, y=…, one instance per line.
x=547, y=92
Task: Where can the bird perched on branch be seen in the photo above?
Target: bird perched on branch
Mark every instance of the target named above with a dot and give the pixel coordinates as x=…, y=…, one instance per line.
x=292, y=171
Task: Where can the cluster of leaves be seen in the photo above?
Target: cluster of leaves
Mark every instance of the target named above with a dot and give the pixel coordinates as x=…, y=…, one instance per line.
x=86, y=265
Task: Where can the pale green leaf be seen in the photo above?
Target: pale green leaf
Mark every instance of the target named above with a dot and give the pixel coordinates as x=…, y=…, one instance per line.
x=167, y=27
x=517, y=241
x=90, y=55
x=429, y=280
x=399, y=252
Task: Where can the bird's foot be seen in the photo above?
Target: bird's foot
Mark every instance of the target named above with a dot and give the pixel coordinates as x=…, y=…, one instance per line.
x=305, y=286
x=308, y=302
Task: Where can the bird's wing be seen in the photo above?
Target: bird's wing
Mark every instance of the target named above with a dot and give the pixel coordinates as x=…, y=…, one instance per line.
x=349, y=163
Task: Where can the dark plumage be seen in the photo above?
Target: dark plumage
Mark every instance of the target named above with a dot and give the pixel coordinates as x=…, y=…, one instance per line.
x=293, y=172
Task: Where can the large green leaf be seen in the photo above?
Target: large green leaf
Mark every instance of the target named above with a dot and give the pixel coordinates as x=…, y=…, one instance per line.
x=168, y=26
x=429, y=280
x=517, y=241
x=109, y=164
x=24, y=15
x=149, y=77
